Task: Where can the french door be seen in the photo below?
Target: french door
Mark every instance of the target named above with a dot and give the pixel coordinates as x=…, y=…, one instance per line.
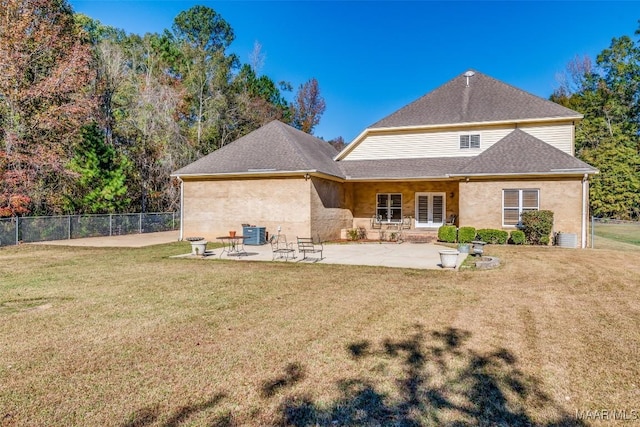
x=430, y=209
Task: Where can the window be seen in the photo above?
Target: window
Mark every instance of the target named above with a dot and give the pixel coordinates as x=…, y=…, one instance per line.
x=470, y=141
x=515, y=202
x=389, y=207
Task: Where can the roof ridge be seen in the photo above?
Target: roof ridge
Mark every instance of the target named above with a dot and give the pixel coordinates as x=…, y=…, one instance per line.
x=291, y=141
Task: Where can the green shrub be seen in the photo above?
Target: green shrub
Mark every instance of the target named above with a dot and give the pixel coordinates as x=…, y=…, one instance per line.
x=356, y=233
x=447, y=233
x=537, y=226
x=466, y=234
x=517, y=237
x=493, y=236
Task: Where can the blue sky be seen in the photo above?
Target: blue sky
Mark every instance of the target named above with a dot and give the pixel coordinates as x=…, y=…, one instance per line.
x=371, y=58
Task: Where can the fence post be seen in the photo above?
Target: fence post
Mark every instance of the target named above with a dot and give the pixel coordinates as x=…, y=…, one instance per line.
x=140, y=223
x=593, y=234
x=110, y=225
x=69, y=227
x=17, y=228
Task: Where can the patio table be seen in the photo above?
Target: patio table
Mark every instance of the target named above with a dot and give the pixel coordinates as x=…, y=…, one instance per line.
x=232, y=245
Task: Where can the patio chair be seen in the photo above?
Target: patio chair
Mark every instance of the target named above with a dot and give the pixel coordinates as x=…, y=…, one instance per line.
x=306, y=244
x=280, y=248
x=452, y=219
x=405, y=224
x=376, y=222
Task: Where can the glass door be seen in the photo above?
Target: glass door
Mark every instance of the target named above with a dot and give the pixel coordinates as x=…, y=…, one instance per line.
x=430, y=209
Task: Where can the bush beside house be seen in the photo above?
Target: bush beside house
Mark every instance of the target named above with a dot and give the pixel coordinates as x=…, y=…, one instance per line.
x=448, y=233
x=466, y=234
x=517, y=237
x=493, y=236
x=537, y=226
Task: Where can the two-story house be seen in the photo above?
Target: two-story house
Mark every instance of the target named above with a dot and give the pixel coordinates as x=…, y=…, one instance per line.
x=475, y=150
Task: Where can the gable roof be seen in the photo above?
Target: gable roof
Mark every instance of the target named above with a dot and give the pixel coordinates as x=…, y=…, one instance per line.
x=522, y=153
x=273, y=148
x=484, y=99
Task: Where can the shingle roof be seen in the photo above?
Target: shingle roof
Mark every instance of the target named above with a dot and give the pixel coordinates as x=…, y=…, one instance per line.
x=521, y=153
x=402, y=168
x=485, y=99
x=275, y=147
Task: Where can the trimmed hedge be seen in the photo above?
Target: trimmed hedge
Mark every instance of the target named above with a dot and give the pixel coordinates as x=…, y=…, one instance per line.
x=447, y=233
x=493, y=236
x=537, y=226
x=466, y=234
x=517, y=237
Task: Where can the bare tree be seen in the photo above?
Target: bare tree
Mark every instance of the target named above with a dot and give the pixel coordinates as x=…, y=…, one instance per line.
x=308, y=106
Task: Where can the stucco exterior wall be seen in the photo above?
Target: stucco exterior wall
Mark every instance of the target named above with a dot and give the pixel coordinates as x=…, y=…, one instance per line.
x=364, y=197
x=212, y=208
x=481, y=203
x=330, y=208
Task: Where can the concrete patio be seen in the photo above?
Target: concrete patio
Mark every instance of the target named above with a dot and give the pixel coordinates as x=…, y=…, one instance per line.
x=404, y=255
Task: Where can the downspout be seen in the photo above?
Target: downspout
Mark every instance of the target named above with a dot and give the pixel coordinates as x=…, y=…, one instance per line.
x=181, y=237
x=585, y=198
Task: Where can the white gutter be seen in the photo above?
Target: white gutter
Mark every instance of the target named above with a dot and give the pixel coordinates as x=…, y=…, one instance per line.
x=585, y=198
x=553, y=172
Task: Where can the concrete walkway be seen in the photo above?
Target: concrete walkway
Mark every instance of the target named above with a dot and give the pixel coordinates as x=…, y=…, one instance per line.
x=404, y=255
x=124, y=241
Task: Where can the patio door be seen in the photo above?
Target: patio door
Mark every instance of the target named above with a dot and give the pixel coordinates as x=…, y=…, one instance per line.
x=430, y=209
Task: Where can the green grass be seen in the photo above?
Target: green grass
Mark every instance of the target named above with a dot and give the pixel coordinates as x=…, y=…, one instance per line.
x=131, y=337
x=628, y=233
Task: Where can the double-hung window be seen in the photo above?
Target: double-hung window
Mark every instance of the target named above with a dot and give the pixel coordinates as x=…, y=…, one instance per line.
x=468, y=141
x=516, y=201
x=389, y=207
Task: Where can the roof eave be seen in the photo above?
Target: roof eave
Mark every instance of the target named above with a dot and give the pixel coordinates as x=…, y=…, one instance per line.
x=260, y=174
x=395, y=179
x=552, y=173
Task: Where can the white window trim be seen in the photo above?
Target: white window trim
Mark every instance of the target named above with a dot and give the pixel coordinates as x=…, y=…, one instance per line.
x=387, y=220
x=520, y=207
x=444, y=210
x=469, y=134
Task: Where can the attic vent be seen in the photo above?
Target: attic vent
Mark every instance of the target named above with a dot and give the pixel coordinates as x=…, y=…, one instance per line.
x=469, y=74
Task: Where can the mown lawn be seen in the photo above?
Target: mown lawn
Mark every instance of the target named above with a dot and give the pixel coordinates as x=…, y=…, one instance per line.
x=612, y=235
x=130, y=337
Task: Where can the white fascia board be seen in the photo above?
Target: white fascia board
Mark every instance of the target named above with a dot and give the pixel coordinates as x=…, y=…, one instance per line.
x=259, y=174
x=574, y=172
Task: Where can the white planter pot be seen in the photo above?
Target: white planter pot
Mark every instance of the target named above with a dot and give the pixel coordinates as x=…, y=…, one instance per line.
x=448, y=258
x=199, y=247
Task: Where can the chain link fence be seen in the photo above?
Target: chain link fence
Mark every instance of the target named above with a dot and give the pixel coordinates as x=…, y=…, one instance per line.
x=45, y=228
x=608, y=233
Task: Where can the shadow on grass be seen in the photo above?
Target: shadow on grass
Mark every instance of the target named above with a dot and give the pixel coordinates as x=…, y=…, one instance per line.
x=150, y=415
x=442, y=382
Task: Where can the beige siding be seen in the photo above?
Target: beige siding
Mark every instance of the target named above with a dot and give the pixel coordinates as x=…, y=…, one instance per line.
x=212, y=208
x=481, y=203
x=560, y=136
x=446, y=143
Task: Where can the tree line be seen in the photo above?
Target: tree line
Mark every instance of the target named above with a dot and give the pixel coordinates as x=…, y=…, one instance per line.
x=94, y=120
x=607, y=91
